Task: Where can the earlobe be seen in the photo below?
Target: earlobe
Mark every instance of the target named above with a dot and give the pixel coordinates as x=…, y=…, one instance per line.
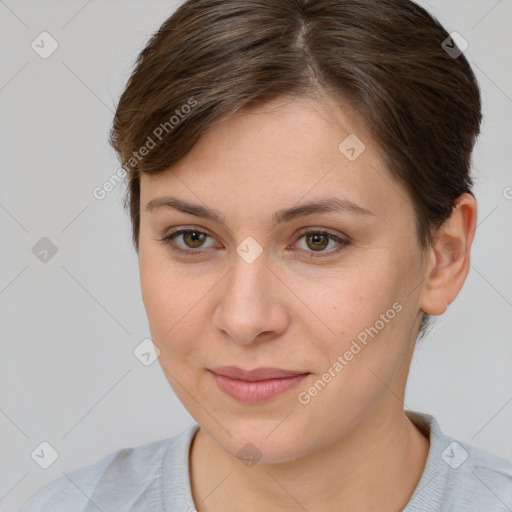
x=449, y=257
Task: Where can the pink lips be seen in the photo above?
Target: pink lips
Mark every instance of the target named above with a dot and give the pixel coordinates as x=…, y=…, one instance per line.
x=255, y=386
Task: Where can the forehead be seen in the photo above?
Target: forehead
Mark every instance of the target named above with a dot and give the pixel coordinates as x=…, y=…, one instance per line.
x=310, y=128
x=282, y=152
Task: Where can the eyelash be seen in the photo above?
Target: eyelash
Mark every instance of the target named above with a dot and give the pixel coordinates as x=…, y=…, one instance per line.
x=169, y=241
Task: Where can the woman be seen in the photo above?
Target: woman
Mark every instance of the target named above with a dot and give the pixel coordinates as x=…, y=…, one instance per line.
x=300, y=195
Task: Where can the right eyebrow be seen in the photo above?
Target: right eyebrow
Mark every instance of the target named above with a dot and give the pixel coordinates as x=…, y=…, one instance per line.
x=328, y=204
x=185, y=207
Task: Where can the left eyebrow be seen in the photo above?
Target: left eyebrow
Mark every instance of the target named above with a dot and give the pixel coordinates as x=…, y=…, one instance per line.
x=328, y=204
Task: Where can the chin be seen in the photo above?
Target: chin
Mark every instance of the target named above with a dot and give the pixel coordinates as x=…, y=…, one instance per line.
x=257, y=440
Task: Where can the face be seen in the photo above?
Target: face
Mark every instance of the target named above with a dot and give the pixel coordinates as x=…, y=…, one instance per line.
x=247, y=278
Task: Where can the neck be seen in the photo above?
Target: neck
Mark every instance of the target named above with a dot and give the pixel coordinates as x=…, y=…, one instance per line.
x=384, y=448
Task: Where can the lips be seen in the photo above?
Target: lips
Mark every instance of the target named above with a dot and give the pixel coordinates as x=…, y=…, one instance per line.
x=255, y=386
x=257, y=374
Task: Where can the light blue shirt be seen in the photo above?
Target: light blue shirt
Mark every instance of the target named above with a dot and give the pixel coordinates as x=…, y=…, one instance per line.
x=155, y=477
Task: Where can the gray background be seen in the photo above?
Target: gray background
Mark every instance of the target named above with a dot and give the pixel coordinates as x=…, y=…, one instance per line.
x=69, y=326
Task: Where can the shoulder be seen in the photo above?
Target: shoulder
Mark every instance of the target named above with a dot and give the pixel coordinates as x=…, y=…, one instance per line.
x=459, y=477
x=71, y=491
x=484, y=478
x=111, y=482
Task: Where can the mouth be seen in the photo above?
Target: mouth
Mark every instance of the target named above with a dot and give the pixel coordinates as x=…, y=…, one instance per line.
x=255, y=386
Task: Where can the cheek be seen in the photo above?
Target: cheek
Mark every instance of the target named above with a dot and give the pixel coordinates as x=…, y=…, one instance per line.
x=358, y=366
x=349, y=298
x=361, y=310
x=176, y=307
x=164, y=297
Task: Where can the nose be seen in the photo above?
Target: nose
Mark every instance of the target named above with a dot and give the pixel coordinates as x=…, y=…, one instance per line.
x=252, y=306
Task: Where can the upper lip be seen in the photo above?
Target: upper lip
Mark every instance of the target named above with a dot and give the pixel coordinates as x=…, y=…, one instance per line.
x=235, y=372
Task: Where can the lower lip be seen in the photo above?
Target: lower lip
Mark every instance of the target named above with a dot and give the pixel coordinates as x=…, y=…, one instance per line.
x=257, y=391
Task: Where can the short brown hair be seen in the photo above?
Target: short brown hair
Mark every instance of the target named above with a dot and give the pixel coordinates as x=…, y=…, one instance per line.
x=213, y=57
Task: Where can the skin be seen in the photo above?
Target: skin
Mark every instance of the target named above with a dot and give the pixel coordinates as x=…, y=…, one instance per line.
x=350, y=446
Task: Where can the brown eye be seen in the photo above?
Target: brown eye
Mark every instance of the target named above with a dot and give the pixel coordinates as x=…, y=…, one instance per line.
x=194, y=239
x=193, y=242
x=317, y=241
x=191, y=239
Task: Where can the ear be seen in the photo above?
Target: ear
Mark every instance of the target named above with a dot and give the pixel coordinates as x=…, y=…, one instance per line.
x=449, y=257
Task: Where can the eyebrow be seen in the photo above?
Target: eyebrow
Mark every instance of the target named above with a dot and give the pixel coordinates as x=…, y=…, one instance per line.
x=328, y=204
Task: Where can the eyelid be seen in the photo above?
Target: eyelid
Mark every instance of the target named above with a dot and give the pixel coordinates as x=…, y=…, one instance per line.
x=169, y=237
x=341, y=240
